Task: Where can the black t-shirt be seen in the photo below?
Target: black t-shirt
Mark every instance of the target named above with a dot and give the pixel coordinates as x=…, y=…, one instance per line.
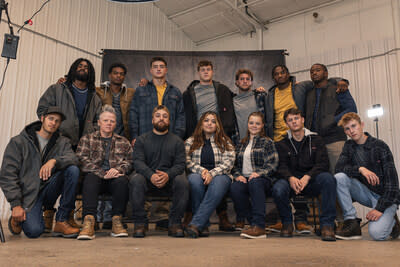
x=207, y=156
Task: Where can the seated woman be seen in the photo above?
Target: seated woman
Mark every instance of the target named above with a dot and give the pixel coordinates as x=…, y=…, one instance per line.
x=210, y=157
x=256, y=160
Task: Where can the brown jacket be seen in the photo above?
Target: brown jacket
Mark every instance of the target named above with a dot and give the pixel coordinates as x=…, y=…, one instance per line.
x=91, y=154
x=105, y=95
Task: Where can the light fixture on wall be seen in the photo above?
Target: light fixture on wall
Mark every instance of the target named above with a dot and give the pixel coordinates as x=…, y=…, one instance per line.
x=132, y=1
x=375, y=112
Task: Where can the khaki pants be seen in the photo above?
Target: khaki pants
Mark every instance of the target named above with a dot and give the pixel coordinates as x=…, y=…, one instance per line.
x=334, y=150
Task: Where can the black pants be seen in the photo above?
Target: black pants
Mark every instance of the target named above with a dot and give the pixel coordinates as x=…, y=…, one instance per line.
x=93, y=185
x=177, y=186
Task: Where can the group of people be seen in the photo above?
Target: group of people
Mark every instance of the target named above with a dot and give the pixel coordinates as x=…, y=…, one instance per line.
x=198, y=148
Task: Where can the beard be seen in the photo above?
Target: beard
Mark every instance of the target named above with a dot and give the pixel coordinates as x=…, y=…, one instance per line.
x=81, y=76
x=161, y=128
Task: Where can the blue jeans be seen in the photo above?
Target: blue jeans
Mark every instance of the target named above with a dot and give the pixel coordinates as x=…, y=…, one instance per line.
x=349, y=189
x=205, y=198
x=255, y=192
x=104, y=211
x=323, y=184
x=61, y=183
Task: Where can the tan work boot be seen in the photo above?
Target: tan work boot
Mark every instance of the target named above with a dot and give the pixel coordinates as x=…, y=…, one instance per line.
x=65, y=230
x=48, y=217
x=87, y=232
x=71, y=220
x=118, y=229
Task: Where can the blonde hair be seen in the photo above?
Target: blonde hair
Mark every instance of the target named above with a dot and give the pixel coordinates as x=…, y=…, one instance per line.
x=348, y=117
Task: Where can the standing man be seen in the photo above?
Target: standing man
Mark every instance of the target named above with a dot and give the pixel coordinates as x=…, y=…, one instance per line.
x=325, y=108
x=246, y=102
x=365, y=172
x=156, y=92
x=77, y=99
x=115, y=93
x=208, y=95
x=304, y=169
x=159, y=161
x=39, y=166
x=106, y=159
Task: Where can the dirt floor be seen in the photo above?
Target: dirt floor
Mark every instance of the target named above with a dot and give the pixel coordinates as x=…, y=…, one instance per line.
x=220, y=249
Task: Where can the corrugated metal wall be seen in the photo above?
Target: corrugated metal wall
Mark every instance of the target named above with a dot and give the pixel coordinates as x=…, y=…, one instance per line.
x=79, y=26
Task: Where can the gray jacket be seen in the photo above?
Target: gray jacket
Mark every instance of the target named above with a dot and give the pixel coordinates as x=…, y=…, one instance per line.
x=299, y=92
x=60, y=95
x=22, y=160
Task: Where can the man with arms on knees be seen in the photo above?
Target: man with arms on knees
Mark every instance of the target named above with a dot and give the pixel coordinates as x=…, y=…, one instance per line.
x=78, y=101
x=304, y=169
x=365, y=172
x=106, y=158
x=156, y=92
x=159, y=161
x=39, y=166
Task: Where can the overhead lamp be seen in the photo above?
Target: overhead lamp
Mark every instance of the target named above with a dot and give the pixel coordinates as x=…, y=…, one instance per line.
x=375, y=112
x=132, y=1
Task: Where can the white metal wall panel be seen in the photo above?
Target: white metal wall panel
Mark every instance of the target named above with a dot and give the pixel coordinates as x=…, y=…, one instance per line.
x=90, y=25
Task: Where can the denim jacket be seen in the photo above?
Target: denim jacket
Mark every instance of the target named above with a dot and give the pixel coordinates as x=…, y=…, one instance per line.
x=145, y=100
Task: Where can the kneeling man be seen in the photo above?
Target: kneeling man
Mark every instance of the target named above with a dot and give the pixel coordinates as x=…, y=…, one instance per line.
x=365, y=172
x=106, y=159
x=159, y=161
x=39, y=166
x=304, y=169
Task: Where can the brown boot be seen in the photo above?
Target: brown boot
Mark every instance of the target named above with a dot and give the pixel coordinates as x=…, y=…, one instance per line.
x=224, y=224
x=71, y=220
x=239, y=226
x=287, y=230
x=254, y=232
x=48, y=217
x=87, y=232
x=65, y=230
x=118, y=229
x=327, y=233
x=14, y=226
x=139, y=231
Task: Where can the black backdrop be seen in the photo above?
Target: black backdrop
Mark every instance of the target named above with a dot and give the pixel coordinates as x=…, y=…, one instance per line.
x=182, y=66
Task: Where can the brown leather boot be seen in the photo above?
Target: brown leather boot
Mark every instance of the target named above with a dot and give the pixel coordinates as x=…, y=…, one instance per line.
x=48, y=217
x=64, y=229
x=87, y=232
x=224, y=224
x=71, y=220
x=254, y=232
x=287, y=230
x=14, y=226
x=139, y=231
x=327, y=233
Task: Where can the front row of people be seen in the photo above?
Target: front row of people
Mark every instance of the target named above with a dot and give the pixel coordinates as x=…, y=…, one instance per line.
x=39, y=166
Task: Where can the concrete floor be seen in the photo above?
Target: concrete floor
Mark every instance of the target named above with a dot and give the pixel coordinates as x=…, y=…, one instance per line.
x=220, y=249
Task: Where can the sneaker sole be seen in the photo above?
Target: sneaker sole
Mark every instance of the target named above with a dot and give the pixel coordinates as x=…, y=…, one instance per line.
x=303, y=232
x=253, y=237
x=55, y=234
x=119, y=235
x=273, y=230
x=355, y=237
x=239, y=228
x=86, y=237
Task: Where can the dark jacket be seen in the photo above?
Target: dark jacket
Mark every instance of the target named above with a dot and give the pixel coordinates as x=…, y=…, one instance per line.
x=380, y=161
x=145, y=100
x=299, y=92
x=224, y=104
x=169, y=157
x=332, y=107
x=312, y=157
x=105, y=94
x=22, y=160
x=61, y=95
x=264, y=158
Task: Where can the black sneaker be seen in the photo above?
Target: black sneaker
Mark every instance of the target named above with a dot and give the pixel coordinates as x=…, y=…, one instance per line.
x=351, y=230
x=396, y=228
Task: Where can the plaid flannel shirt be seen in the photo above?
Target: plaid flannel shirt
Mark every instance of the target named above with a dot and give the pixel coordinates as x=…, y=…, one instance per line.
x=264, y=158
x=223, y=161
x=91, y=154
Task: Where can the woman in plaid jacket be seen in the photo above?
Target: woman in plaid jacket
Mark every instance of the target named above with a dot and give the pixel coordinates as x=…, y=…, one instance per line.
x=256, y=161
x=210, y=157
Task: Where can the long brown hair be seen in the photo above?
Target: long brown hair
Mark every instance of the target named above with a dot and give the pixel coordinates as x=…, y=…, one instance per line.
x=262, y=133
x=221, y=139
